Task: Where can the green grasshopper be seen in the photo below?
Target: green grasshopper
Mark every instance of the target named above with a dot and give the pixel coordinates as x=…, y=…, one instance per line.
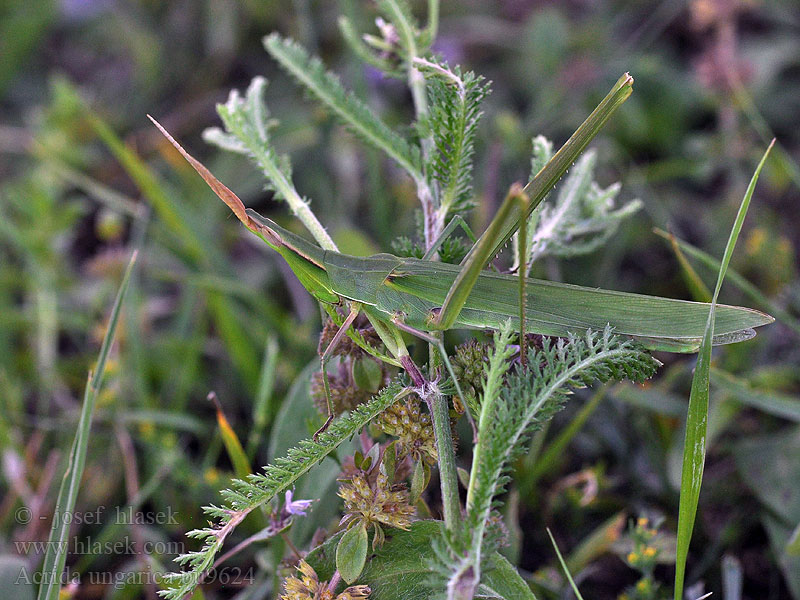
x=425, y=297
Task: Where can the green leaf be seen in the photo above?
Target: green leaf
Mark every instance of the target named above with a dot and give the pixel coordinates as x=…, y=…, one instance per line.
x=582, y=217
x=352, y=111
x=403, y=568
x=694, y=449
x=247, y=126
x=736, y=279
x=367, y=374
x=351, y=552
x=454, y=101
x=58, y=541
x=418, y=482
x=521, y=402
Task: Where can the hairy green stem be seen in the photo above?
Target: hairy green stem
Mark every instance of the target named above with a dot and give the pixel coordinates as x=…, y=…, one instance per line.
x=433, y=223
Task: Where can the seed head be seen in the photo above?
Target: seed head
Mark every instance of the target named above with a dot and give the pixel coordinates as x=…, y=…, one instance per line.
x=376, y=503
x=308, y=587
x=412, y=428
x=344, y=394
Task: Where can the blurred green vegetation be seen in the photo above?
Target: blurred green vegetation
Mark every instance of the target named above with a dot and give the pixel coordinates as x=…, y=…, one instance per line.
x=85, y=179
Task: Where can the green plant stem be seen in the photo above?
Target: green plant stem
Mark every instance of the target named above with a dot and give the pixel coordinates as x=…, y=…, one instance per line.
x=451, y=505
x=433, y=19
x=433, y=221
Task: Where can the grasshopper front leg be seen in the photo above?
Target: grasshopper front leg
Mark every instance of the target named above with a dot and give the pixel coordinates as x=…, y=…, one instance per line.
x=457, y=221
x=355, y=308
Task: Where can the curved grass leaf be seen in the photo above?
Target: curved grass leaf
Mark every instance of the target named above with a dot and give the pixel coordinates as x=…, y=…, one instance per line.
x=736, y=279
x=694, y=449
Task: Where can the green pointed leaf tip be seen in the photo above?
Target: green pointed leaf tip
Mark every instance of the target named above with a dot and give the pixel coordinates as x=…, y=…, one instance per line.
x=694, y=449
x=351, y=552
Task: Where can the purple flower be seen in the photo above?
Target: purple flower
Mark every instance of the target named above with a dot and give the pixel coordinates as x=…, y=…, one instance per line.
x=296, y=507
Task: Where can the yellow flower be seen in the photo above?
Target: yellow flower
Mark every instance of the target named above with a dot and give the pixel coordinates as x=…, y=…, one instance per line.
x=633, y=558
x=211, y=476
x=649, y=552
x=309, y=587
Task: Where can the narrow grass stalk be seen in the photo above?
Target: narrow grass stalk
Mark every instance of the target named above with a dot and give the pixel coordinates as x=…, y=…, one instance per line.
x=56, y=555
x=561, y=560
x=694, y=449
x=263, y=409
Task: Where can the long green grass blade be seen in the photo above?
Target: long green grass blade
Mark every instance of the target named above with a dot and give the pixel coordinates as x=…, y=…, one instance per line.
x=561, y=560
x=56, y=555
x=151, y=188
x=263, y=405
x=696, y=285
x=694, y=449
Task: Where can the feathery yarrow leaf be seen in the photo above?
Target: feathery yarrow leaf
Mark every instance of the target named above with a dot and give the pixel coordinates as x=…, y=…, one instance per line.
x=582, y=217
x=455, y=101
x=247, y=129
x=247, y=126
x=352, y=111
x=527, y=400
x=541, y=153
x=245, y=496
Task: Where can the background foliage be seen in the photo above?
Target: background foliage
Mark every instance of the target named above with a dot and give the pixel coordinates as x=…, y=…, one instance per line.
x=85, y=178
